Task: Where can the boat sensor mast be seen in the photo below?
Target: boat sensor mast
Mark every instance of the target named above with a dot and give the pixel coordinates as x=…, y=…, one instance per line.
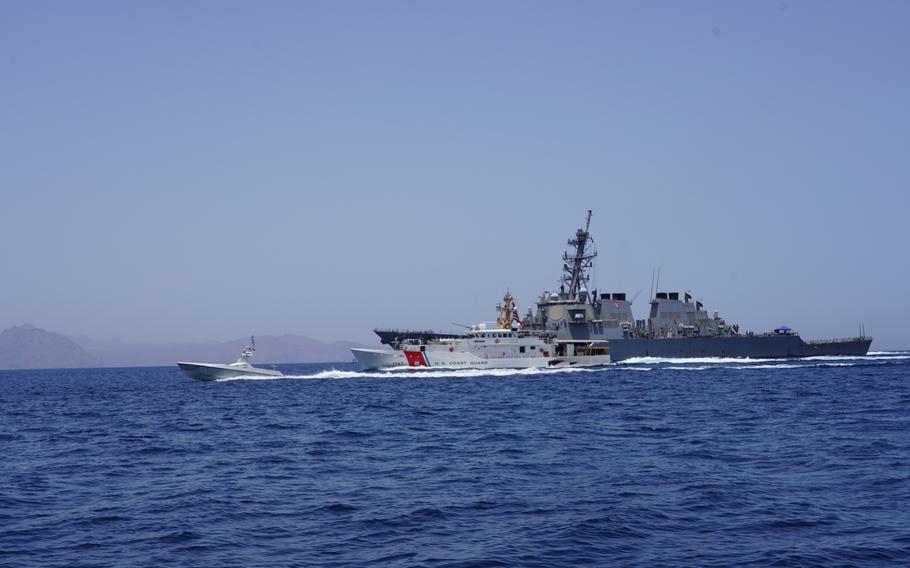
x=576, y=266
x=248, y=351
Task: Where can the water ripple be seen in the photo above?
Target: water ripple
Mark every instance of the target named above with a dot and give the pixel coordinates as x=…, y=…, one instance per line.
x=654, y=462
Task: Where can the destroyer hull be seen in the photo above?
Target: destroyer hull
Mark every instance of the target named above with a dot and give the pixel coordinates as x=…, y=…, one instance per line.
x=752, y=347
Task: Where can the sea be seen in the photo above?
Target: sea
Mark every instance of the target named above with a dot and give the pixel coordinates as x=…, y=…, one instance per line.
x=651, y=462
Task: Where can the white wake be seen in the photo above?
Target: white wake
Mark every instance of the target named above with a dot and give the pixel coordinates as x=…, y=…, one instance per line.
x=633, y=364
x=422, y=374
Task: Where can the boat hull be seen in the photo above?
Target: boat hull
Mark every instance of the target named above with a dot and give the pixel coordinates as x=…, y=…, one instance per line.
x=213, y=372
x=465, y=360
x=377, y=359
x=373, y=359
x=737, y=346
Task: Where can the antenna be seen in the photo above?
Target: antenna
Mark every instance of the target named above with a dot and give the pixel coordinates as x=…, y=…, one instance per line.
x=651, y=297
x=635, y=297
x=577, y=264
x=658, y=280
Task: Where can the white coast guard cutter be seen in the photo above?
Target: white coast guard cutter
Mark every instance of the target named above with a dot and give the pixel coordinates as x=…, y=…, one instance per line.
x=499, y=346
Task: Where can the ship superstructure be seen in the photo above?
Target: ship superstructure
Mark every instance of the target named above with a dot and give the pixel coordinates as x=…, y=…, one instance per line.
x=674, y=327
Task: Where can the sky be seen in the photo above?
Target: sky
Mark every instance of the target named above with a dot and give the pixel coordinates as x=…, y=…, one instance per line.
x=201, y=171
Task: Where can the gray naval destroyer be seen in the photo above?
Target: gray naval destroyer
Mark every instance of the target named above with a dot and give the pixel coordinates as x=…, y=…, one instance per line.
x=674, y=328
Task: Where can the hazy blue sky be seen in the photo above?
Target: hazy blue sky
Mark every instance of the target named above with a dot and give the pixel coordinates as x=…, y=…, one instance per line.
x=206, y=170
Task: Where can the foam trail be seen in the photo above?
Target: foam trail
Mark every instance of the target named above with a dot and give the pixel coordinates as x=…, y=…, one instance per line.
x=642, y=364
x=693, y=360
x=411, y=374
x=818, y=365
x=870, y=357
x=778, y=366
x=746, y=362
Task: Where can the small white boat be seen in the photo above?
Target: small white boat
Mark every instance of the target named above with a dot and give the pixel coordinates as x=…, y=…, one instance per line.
x=239, y=368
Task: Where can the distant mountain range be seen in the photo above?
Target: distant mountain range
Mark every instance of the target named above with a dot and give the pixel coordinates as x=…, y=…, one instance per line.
x=29, y=347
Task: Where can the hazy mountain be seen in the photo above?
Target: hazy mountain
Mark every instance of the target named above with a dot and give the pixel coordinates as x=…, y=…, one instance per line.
x=30, y=347
x=269, y=349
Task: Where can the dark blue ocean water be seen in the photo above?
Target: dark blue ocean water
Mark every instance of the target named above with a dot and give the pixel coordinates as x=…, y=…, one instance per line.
x=655, y=463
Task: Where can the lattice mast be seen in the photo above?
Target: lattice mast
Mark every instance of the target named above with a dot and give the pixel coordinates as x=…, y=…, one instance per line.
x=577, y=265
x=507, y=312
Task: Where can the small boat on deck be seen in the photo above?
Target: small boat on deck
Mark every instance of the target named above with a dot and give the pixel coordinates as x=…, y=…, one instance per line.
x=239, y=368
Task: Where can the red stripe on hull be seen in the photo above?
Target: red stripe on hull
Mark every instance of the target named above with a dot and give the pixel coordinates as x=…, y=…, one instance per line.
x=415, y=359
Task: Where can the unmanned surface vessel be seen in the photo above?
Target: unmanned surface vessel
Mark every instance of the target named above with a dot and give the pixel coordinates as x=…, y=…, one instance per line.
x=239, y=368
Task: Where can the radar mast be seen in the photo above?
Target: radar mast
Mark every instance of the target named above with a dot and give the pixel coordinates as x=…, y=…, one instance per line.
x=508, y=314
x=248, y=350
x=577, y=265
